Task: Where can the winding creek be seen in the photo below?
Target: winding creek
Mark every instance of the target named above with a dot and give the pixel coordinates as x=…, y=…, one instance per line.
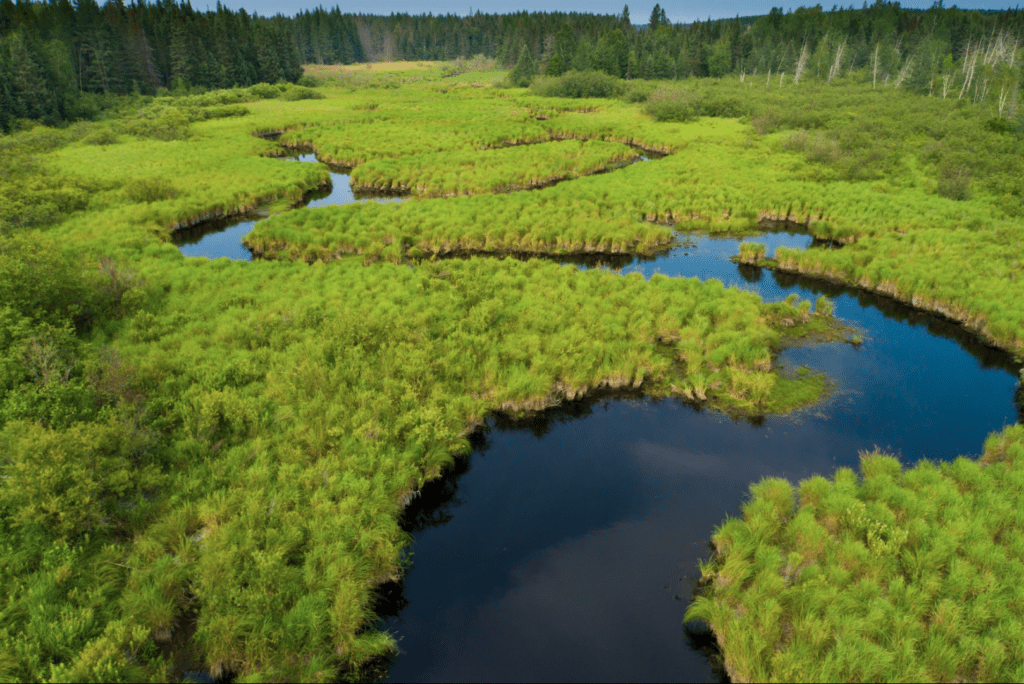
x=567, y=546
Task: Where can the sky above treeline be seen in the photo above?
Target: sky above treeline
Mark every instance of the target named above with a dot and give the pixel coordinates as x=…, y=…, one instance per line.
x=677, y=11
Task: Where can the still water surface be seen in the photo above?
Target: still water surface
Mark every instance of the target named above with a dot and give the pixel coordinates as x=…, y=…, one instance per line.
x=566, y=547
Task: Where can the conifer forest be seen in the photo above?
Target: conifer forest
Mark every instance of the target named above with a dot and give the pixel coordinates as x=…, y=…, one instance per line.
x=573, y=346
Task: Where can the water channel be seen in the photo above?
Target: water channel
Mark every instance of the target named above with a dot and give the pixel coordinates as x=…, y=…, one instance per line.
x=566, y=547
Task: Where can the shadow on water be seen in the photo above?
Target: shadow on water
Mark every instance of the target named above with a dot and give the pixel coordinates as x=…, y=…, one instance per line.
x=894, y=310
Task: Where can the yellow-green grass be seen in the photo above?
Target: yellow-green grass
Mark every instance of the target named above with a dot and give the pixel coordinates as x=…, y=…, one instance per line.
x=897, y=575
x=285, y=412
x=474, y=172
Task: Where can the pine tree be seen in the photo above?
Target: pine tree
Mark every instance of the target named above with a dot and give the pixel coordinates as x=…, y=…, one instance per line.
x=655, y=20
x=141, y=54
x=524, y=70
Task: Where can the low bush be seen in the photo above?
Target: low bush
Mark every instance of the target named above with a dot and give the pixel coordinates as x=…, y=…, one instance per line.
x=955, y=182
x=672, y=104
x=298, y=92
x=579, y=84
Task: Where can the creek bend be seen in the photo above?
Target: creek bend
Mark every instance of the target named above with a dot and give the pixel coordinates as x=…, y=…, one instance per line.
x=567, y=545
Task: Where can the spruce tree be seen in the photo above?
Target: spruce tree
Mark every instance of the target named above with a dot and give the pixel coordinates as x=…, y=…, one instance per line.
x=525, y=69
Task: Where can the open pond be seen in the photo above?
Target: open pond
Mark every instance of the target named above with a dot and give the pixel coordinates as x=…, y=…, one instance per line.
x=567, y=546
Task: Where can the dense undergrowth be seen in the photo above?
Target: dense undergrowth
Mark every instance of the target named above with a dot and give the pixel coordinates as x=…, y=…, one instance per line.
x=236, y=441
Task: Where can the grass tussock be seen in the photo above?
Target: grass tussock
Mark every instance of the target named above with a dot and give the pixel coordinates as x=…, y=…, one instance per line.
x=895, y=575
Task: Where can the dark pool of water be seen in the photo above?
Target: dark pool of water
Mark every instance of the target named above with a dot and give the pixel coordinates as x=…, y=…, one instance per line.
x=566, y=547
x=223, y=238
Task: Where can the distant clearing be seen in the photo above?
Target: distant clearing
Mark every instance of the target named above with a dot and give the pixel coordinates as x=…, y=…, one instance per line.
x=323, y=70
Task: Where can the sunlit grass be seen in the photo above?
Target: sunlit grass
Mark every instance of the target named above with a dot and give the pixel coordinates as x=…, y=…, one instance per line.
x=896, y=575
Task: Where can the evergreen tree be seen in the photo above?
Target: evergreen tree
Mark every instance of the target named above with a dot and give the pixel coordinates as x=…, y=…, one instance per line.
x=652, y=23
x=524, y=70
x=720, y=59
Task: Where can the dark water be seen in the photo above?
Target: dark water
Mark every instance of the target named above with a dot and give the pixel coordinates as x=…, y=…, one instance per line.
x=566, y=548
x=223, y=238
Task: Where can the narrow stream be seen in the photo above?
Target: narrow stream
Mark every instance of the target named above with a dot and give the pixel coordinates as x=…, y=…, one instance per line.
x=566, y=547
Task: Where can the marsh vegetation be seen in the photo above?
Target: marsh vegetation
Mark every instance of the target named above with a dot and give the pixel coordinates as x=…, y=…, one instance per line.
x=230, y=446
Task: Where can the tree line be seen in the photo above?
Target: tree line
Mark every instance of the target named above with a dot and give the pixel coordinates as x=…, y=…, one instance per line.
x=56, y=57
x=53, y=53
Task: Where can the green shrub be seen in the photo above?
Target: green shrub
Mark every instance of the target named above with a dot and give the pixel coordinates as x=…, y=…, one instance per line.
x=263, y=91
x=69, y=481
x=103, y=136
x=579, y=84
x=296, y=93
x=768, y=120
x=955, y=182
x=672, y=104
x=638, y=91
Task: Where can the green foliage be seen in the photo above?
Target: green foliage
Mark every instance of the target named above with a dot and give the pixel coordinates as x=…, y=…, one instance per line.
x=70, y=482
x=40, y=281
x=298, y=92
x=502, y=170
x=59, y=612
x=149, y=190
x=671, y=105
x=901, y=575
x=751, y=252
x=525, y=69
x=244, y=435
x=955, y=182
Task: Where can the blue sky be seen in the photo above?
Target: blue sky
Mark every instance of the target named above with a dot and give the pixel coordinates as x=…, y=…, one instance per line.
x=677, y=10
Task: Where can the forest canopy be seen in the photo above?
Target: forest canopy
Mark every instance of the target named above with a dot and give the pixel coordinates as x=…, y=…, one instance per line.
x=58, y=60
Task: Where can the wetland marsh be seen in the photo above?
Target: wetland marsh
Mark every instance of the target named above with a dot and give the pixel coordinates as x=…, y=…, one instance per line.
x=257, y=445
